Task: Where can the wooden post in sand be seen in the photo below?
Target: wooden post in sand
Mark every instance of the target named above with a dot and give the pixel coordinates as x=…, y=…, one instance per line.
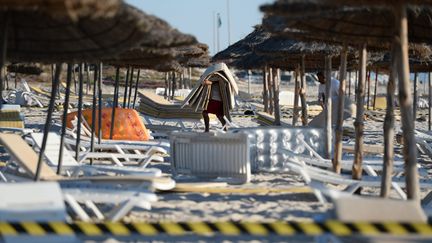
x=130, y=88
x=265, y=88
x=64, y=118
x=79, y=112
x=115, y=101
x=166, y=85
x=340, y=113
x=387, y=172
x=296, y=96
x=375, y=88
x=276, y=82
x=136, y=89
x=93, y=123
x=302, y=92
x=349, y=84
x=415, y=97
x=328, y=109
x=270, y=89
x=430, y=101
x=99, y=70
x=47, y=126
x=358, y=156
x=405, y=102
x=368, y=88
x=126, y=87
x=3, y=49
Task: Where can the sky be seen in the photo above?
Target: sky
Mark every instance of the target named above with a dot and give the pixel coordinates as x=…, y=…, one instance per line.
x=196, y=17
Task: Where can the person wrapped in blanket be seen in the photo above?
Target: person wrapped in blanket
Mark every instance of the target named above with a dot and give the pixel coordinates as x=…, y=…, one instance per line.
x=214, y=93
x=215, y=103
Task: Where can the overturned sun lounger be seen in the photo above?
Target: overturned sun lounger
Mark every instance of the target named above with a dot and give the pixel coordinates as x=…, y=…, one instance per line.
x=211, y=155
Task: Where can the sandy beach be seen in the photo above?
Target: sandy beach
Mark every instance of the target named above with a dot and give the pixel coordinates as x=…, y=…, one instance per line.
x=293, y=202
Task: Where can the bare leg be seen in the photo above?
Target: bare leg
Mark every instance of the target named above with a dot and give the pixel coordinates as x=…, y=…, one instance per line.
x=222, y=120
x=206, y=121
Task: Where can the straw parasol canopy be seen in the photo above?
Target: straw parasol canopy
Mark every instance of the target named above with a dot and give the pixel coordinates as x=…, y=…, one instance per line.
x=162, y=35
x=353, y=23
x=69, y=8
x=242, y=46
x=37, y=36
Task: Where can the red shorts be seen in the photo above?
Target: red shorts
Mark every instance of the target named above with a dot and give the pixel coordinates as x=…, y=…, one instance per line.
x=215, y=107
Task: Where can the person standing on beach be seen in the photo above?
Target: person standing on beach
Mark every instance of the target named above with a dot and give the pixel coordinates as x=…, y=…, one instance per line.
x=215, y=104
x=214, y=93
x=334, y=92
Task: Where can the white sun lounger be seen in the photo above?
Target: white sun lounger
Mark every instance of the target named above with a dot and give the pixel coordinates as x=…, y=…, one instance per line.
x=52, y=154
x=312, y=174
x=211, y=155
x=23, y=155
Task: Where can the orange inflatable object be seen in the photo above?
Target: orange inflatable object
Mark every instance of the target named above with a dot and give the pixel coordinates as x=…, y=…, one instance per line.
x=127, y=126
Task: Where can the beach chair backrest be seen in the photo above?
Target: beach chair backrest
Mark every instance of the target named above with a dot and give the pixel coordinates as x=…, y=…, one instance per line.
x=266, y=142
x=52, y=149
x=24, y=155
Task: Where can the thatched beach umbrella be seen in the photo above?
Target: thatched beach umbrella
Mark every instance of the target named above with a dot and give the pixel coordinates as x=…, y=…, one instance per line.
x=31, y=32
x=241, y=53
x=352, y=24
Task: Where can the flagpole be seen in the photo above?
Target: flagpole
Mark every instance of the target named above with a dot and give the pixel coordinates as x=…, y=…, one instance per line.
x=214, y=32
x=228, y=22
x=217, y=33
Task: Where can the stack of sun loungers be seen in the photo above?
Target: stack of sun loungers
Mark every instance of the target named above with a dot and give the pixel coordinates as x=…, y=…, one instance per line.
x=155, y=106
x=10, y=116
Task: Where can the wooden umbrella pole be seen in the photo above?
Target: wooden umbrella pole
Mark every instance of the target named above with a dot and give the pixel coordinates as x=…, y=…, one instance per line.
x=174, y=83
x=328, y=109
x=99, y=68
x=430, y=101
x=3, y=46
x=375, y=88
x=368, y=89
x=115, y=102
x=405, y=102
x=270, y=89
x=358, y=156
x=126, y=87
x=88, y=78
x=265, y=87
x=64, y=118
x=356, y=82
x=386, y=178
x=296, y=96
x=74, y=79
x=79, y=112
x=340, y=113
x=349, y=84
x=302, y=92
x=276, y=96
x=136, y=88
x=93, y=123
x=166, y=86
x=47, y=126
x=130, y=88
x=415, y=98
